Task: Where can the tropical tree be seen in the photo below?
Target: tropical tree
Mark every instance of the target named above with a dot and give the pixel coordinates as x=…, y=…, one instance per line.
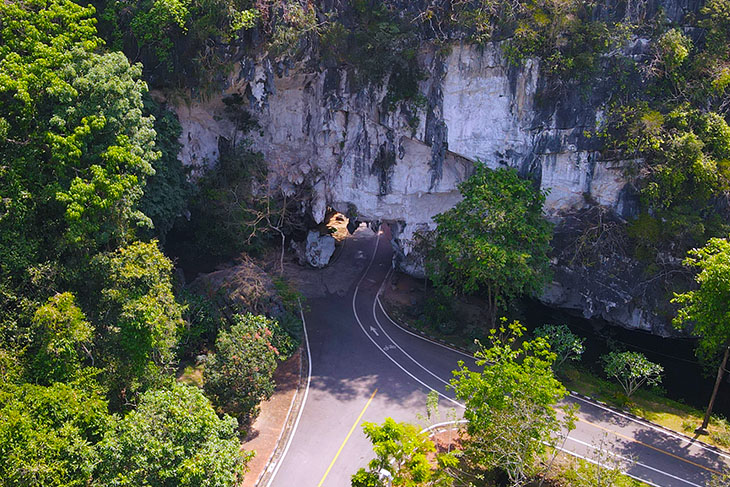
x=76, y=150
x=64, y=338
x=510, y=404
x=173, y=438
x=707, y=308
x=565, y=344
x=139, y=310
x=632, y=370
x=401, y=458
x=47, y=434
x=240, y=374
x=496, y=239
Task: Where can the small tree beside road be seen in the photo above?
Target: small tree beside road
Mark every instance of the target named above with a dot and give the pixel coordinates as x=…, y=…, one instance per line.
x=632, y=370
x=510, y=405
x=240, y=374
x=401, y=458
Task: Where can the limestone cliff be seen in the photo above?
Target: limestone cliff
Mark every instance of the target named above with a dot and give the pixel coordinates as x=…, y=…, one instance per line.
x=403, y=165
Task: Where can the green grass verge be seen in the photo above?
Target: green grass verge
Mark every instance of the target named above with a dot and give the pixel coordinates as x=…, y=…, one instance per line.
x=648, y=405
x=574, y=472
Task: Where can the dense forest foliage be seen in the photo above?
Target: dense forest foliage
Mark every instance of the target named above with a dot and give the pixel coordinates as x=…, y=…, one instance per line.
x=93, y=323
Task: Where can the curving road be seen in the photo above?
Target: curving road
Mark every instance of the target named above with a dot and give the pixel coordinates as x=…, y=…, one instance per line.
x=364, y=367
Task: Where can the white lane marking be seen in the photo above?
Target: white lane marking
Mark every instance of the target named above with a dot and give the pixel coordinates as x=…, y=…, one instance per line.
x=405, y=330
x=304, y=401
x=357, y=318
x=650, y=425
x=375, y=332
x=592, y=403
x=590, y=460
x=395, y=344
x=637, y=463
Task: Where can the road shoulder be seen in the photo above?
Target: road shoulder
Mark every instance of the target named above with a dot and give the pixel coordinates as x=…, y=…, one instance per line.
x=269, y=430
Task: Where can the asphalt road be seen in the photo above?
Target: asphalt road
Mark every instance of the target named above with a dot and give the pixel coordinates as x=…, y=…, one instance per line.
x=366, y=368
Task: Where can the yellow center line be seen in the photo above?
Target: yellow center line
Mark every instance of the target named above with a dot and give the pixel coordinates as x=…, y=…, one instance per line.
x=354, y=425
x=634, y=440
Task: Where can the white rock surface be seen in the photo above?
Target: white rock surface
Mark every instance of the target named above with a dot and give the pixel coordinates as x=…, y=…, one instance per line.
x=319, y=249
x=313, y=128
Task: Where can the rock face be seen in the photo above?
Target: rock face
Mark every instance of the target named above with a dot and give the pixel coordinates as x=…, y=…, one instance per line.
x=403, y=166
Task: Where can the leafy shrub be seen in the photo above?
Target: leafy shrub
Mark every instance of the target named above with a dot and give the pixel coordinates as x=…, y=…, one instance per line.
x=202, y=322
x=565, y=344
x=174, y=437
x=721, y=437
x=240, y=374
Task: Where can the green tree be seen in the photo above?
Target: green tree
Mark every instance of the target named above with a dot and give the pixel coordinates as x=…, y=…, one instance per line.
x=173, y=37
x=140, y=312
x=64, y=338
x=173, y=438
x=707, y=308
x=681, y=173
x=510, y=404
x=401, y=458
x=632, y=370
x=76, y=149
x=496, y=239
x=240, y=374
x=47, y=435
x=220, y=209
x=79, y=144
x=565, y=344
x=156, y=25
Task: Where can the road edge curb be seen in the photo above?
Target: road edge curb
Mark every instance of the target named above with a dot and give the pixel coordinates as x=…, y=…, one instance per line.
x=294, y=412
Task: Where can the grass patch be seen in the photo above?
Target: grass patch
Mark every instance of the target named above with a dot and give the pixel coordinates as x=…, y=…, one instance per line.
x=192, y=375
x=570, y=471
x=648, y=405
x=457, y=339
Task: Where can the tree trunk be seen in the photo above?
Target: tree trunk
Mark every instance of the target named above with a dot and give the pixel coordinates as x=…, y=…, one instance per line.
x=491, y=301
x=718, y=380
x=281, y=256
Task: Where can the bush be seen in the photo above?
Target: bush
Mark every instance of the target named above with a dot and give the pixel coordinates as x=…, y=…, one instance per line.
x=240, y=374
x=202, y=322
x=175, y=438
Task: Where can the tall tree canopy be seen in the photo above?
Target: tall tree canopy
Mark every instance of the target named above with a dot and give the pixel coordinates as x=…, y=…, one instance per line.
x=510, y=404
x=73, y=129
x=141, y=316
x=75, y=145
x=47, y=435
x=707, y=308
